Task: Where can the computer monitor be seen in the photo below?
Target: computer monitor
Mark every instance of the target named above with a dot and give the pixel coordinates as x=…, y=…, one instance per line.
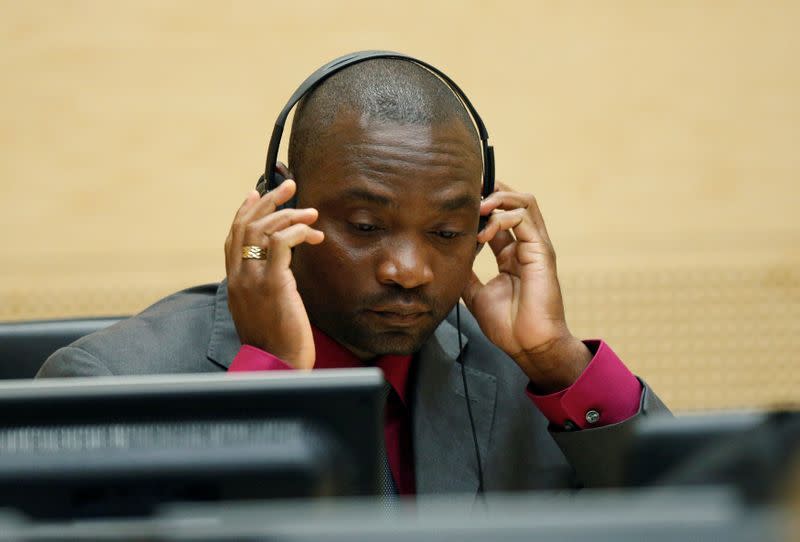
x=110, y=446
x=749, y=451
x=682, y=514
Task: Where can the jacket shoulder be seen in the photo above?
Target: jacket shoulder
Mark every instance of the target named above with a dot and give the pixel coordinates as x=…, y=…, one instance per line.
x=170, y=336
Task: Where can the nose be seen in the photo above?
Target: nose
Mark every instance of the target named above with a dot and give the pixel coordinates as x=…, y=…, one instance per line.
x=404, y=264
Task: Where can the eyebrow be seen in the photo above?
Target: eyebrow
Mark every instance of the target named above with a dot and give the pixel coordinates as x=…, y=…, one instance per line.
x=368, y=196
x=463, y=201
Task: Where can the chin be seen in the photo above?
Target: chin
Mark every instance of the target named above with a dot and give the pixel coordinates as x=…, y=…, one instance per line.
x=365, y=339
x=392, y=344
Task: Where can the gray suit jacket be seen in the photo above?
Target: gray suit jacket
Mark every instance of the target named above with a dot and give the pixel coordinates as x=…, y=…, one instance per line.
x=192, y=331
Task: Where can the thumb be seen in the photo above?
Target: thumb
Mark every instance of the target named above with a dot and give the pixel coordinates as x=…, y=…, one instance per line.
x=471, y=290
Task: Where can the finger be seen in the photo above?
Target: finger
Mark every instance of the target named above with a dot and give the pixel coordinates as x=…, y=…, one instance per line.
x=506, y=201
x=257, y=232
x=254, y=205
x=487, y=204
x=516, y=200
x=264, y=206
x=282, y=242
x=500, y=241
x=270, y=201
x=501, y=221
x=507, y=227
x=538, y=220
x=234, y=235
x=500, y=186
x=249, y=200
x=499, y=229
x=471, y=290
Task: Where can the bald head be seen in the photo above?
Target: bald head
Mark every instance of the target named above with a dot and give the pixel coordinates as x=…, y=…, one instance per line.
x=381, y=90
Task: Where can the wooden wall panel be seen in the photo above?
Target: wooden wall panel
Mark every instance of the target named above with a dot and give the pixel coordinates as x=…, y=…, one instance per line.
x=659, y=137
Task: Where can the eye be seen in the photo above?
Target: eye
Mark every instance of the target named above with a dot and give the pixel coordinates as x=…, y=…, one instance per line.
x=447, y=235
x=364, y=227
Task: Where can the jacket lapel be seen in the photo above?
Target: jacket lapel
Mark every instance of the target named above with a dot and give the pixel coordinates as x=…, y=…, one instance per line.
x=444, y=450
x=224, y=343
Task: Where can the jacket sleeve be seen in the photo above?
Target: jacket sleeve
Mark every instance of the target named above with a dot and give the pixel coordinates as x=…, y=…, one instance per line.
x=598, y=455
x=72, y=361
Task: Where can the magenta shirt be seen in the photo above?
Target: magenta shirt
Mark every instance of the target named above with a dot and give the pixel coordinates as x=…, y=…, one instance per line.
x=605, y=393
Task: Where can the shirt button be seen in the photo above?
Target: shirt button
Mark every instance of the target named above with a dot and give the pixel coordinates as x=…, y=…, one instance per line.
x=592, y=417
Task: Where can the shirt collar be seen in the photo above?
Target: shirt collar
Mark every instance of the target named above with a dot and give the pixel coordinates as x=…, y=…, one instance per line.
x=332, y=355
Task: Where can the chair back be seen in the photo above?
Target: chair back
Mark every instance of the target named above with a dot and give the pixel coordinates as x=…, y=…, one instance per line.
x=24, y=346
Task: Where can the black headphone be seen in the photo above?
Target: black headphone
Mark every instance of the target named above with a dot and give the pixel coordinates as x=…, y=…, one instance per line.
x=270, y=179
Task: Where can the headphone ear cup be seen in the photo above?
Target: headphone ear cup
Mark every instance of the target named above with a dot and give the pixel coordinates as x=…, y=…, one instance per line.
x=279, y=178
x=262, y=188
x=292, y=203
x=261, y=185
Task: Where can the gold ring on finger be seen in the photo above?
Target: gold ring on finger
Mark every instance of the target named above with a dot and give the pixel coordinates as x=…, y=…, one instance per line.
x=252, y=252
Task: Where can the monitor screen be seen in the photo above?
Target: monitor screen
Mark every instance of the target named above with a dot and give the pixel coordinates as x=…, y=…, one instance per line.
x=753, y=452
x=87, y=447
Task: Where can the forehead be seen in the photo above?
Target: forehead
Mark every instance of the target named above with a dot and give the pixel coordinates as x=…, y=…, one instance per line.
x=443, y=158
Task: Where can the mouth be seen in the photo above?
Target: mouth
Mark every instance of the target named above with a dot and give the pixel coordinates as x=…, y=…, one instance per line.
x=399, y=316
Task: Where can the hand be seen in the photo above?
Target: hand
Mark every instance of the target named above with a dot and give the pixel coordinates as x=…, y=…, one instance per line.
x=521, y=309
x=262, y=294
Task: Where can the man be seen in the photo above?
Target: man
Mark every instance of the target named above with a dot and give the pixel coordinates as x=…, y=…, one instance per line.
x=367, y=268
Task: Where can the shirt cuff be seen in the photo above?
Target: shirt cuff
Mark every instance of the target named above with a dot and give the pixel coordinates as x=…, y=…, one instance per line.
x=251, y=358
x=605, y=393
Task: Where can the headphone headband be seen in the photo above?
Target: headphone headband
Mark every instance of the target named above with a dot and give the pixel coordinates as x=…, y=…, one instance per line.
x=343, y=62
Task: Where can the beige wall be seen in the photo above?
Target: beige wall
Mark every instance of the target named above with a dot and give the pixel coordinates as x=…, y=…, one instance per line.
x=659, y=137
